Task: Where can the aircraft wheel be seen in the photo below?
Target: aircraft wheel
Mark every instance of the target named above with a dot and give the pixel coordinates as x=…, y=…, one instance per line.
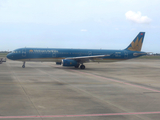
x=82, y=67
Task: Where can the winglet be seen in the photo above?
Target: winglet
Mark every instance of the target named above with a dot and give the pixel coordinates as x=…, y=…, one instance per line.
x=136, y=44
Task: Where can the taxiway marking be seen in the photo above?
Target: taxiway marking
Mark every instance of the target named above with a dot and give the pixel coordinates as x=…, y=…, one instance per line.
x=84, y=115
x=118, y=81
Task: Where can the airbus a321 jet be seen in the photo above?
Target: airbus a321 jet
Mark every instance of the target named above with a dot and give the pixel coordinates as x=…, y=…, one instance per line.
x=77, y=57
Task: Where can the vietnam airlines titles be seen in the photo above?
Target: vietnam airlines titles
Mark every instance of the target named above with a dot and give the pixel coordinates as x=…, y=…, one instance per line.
x=77, y=57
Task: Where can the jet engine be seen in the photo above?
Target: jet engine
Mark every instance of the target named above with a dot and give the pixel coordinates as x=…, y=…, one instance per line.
x=66, y=62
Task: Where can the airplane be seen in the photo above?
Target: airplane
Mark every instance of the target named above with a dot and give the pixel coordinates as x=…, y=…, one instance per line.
x=77, y=57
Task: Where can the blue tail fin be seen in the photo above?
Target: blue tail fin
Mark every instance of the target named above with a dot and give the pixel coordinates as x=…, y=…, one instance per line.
x=136, y=44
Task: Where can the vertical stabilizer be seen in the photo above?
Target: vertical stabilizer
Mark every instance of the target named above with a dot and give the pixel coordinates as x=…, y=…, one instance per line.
x=136, y=44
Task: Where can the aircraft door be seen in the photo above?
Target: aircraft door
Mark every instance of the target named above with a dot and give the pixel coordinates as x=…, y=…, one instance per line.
x=89, y=53
x=54, y=54
x=24, y=52
x=125, y=54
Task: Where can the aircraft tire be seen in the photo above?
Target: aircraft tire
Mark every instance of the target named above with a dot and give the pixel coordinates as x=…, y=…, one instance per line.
x=23, y=66
x=82, y=67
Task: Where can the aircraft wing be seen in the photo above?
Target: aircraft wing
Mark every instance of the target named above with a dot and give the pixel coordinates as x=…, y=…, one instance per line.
x=86, y=58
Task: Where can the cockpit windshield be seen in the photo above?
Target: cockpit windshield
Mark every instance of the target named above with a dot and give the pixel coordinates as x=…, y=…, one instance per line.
x=16, y=51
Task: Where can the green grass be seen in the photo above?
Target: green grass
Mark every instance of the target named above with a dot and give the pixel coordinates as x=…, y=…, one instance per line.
x=3, y=54
x=149, y=57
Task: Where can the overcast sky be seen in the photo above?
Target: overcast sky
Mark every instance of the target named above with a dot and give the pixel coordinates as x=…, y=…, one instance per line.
x=105, y=24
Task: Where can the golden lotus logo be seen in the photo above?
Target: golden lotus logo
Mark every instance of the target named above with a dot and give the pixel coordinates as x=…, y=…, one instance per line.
x=136, y=46
x=30, y=50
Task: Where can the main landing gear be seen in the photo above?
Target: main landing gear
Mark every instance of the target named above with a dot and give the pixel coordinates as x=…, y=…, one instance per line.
x=23, y=66
x=77, y=66
x=81, y=66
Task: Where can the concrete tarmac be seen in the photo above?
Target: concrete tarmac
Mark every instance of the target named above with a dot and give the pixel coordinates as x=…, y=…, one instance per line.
x=127, y=90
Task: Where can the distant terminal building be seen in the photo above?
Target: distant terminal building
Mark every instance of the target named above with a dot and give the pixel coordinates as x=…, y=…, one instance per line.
x=157, y=54
x=5, y=52
x=153, y=54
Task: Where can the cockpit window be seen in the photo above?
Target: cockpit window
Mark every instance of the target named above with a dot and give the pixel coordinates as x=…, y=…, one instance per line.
x=16, y=51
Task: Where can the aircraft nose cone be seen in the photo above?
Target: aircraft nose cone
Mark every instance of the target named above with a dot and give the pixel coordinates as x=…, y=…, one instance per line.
x=9, y=56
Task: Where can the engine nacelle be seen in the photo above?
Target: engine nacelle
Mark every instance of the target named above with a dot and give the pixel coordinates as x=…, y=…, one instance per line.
x=66, y=62
x=58, y=63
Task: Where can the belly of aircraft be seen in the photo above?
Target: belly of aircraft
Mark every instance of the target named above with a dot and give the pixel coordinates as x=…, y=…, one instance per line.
x=42, y=60
x=108, y=60
x=60, y=59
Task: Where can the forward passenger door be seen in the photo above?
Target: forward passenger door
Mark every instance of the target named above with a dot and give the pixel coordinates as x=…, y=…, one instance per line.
x=24, y=52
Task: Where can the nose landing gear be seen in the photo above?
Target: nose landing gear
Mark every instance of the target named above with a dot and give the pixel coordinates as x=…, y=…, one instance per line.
x=23, y=66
